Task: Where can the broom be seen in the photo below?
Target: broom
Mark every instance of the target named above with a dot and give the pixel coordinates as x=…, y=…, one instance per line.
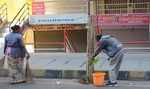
x=28, y=72
x=2, y=62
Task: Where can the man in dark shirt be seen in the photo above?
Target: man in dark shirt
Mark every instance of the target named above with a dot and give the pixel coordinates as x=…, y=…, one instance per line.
x=15, y=51
x=114, y=50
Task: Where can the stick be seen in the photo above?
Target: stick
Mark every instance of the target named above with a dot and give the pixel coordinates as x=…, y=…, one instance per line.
x=28, y=72
x=2, y=62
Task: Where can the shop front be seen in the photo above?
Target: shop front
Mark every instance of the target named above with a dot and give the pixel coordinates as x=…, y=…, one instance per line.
x=60, y=33
x=131, y=29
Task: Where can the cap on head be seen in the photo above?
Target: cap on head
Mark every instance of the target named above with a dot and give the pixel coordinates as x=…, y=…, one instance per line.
x=98, y=37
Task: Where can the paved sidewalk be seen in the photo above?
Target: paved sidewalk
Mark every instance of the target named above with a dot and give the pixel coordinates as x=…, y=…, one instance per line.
x=77, y=61
x=71, y=84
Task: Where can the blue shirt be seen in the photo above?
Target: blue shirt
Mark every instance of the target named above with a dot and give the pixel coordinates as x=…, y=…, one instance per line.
x=14, y=46
x=110, y=45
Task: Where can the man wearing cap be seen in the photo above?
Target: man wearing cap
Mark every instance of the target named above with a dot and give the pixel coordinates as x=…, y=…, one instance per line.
x=114, y=50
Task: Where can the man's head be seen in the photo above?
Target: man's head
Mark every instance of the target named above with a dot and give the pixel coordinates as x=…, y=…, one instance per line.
x=98, y=37
x=16, y=28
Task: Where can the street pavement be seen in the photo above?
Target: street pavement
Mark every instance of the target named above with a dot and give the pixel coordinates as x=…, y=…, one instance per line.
x=71, y=84
x=77, y=61
x=133, y=61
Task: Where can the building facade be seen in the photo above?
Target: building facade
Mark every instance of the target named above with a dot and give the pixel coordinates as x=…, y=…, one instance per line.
x=59, y=26
x=128, y=20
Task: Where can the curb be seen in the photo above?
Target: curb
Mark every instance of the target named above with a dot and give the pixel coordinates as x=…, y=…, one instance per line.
x=77, y=74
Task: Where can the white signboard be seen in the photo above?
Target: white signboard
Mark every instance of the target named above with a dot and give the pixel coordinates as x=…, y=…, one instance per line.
x=59, y=19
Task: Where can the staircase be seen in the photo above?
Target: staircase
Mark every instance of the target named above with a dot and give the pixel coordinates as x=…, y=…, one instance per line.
x=3, y=14
x=3, y=17
x=3, y=24
x=21, y=19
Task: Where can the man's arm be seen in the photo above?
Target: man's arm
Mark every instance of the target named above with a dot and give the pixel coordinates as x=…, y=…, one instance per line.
x=98, y=50
x=27, y=55
x=100, y=46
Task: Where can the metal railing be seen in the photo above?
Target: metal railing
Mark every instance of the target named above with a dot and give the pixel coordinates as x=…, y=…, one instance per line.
x=3, y=13
x=21, y=16
x=69, y=44
x=119, y=8
x=122, y=9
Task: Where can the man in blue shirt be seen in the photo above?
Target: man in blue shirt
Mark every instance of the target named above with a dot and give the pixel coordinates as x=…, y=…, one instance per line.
x=15, y=52
x=114, y=50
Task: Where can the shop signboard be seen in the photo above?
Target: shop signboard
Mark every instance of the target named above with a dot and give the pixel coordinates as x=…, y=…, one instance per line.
x=59, y=19
x=38, y=8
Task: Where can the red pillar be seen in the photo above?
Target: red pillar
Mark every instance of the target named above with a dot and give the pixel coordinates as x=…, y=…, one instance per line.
x=65, y=44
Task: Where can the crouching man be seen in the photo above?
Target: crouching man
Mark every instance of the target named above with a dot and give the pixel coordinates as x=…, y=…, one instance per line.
x=114, y=50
